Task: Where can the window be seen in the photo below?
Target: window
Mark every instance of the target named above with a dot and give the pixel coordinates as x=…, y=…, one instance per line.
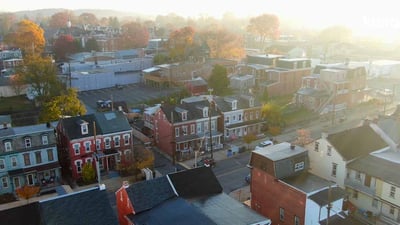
x=17, y=184
x=29, y=179
x=8, y=146
x=296, y=220
x=4, y=182
x=38, y=157
x=50, y=155
x=298, y=166
x=281, y=214
x=14, y=162
x=184, y=116
x=176, y=131
x=28, y=143
x=392, y=191
x=355, y=194
x=117, y=141
x=358, y=175
x=84, y=128
x=391, y=211
x=234, y=105
x=213, y=125
x=78, y=165
x=76, y=148
x=27, y=159
x=240, y=117
x=375, y=203
x=98, y=144
x=89, y=160
x=126, y=139
x=2, y=164
x=87, y=146
x=205, y=112
x=107, y=142
x=316, y=146
x=185, y=130
x=334, y=169
x=329, y=150
x=45, y=140
x=257, y=115
x=192, y=128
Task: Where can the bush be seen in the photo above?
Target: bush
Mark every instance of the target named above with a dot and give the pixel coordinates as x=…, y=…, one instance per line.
x=6, y=198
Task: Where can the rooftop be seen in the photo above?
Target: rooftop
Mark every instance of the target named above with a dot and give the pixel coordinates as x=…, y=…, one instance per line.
x=279, y=151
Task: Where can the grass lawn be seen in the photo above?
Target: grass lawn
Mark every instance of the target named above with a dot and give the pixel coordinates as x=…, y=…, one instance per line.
x=15, y=104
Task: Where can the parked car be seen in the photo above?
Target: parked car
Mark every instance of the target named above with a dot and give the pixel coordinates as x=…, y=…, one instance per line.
x=205, y=161
x=264, y=144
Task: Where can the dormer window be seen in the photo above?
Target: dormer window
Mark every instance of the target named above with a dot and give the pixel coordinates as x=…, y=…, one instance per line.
x=84, y=128
x=234, y=104
x=184, y=116
x=28, y=142
x=251, y=102
x=205, y=112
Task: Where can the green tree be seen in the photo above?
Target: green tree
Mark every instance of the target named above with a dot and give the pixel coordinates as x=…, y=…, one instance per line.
x=88, y=173
x=248, y=138
x=28, y=36
x=219, y=81
x=41, y=74
x=263, y=27
x=272, y=113
x=63, y=105
x=160, y=59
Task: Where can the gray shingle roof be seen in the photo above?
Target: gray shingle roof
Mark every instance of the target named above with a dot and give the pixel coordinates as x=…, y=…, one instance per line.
x=80, y=208
x=322, y=197
x=356, y=142
x=27, y=214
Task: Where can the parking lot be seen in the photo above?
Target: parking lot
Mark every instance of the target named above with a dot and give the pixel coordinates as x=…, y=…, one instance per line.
x=132, y=94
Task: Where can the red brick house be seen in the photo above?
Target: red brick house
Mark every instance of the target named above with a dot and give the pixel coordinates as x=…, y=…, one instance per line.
x=196, y=86
x=104, y=136
x=283, y=190
x=181, y=129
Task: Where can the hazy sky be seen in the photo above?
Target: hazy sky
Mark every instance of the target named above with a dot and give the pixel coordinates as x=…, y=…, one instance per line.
x=361, y=16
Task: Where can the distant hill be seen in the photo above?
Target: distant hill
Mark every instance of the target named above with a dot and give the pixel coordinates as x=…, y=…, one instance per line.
x=100, y=13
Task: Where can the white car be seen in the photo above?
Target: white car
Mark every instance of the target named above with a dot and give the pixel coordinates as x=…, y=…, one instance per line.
x=264, y=144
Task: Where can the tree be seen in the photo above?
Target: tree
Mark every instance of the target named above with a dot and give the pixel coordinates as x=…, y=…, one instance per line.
x=223, y=44
x=218, y=80
x=91, y=45
x=272, y=113
x=63, y=46
x=334, y=34
x=88, y=18
x=41, y=74
x=60, y=19
x=63, y=105
x=134, y=35
x=27, y=192
x=264, y=26
x=88, y=173
x=28, y=36
x=303, y=137
x=6, y=22
x=180, y=42
x=248, y=138
x=17, y=83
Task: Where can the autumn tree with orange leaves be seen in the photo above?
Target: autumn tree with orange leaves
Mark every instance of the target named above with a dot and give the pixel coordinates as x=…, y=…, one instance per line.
x=28, y=36
x=27, y=192
x=263, y=27
x=60, y=19
x=134, y=35
x=180, y=42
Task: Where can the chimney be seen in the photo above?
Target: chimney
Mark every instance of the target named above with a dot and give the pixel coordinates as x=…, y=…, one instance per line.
x=292, y=146
x=48, y=125
x=5, y=125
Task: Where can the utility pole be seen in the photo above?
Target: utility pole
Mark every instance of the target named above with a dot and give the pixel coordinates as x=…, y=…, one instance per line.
x=173, y=141
x=209, y=123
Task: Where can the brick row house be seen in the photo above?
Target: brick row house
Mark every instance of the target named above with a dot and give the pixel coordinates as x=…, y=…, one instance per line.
x=276, y=74
x=333, y=88
x=241, y=115
x=181, y=129
x=28, y=156
x=283, y=190
x=103, y=136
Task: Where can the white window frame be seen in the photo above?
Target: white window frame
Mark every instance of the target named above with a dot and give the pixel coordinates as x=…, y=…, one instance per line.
x=15, y=181
x=184, y=116
x=30, y=179
x=84, y=128
x=117, y=141
x=329, y=150
x=4, y=182
x=281, y=214
x=45, y=139
x=89, y=160
x=392, y=192
x=88, y=146
x=50, y=153
x=316, y=146
x=296, y=220
x=8, y=146
x=299, y=166
x=98, y=144
x=334, y=169
x=127, y=138
x=79, y=166
x=29, y=159
x=107, y=142
x=14, y=161
x=192, y=128
x=2, y=164
x=185, y=130
x=77, y=148
x=38, y=157
x=176, y=131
